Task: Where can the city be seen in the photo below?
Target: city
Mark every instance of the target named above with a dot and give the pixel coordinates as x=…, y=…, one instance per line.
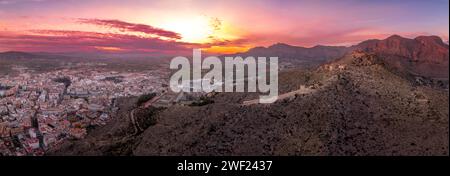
x=38, y=111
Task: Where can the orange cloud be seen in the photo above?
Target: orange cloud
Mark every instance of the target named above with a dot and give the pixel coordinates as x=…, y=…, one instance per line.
x=106, y=48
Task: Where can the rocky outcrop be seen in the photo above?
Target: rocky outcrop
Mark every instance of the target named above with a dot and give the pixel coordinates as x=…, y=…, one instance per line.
x=426, y=56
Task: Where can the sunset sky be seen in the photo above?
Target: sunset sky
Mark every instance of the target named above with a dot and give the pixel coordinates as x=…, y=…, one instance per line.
x=173, y=26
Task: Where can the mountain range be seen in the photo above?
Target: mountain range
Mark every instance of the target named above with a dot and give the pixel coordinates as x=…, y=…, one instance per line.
x=426, y=56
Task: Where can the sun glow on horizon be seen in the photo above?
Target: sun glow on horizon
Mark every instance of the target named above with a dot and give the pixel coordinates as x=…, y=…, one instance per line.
x=202, y=29
x=227, y=49
x=192, y=29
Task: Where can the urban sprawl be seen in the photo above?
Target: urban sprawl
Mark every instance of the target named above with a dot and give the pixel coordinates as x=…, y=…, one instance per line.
x=39, y=111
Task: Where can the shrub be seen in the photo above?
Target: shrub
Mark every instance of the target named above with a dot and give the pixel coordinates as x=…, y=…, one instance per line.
x=202, y=102
x=144, y=98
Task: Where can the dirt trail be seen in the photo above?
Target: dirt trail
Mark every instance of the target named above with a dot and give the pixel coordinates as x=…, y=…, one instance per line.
x=136, y=126
x=303, y=90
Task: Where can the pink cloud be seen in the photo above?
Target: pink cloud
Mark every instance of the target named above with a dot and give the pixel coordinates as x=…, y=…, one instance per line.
x=81, y=41
x=132, y=27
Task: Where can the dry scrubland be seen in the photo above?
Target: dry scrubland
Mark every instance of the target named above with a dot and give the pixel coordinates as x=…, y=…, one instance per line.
x=362, y=109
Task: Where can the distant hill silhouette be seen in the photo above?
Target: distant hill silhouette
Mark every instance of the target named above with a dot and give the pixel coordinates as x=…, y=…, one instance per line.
x=16, y=55
x=296, y=55
x=19, y=55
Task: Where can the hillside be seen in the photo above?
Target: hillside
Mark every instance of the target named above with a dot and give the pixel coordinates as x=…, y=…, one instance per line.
x=355, y=106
